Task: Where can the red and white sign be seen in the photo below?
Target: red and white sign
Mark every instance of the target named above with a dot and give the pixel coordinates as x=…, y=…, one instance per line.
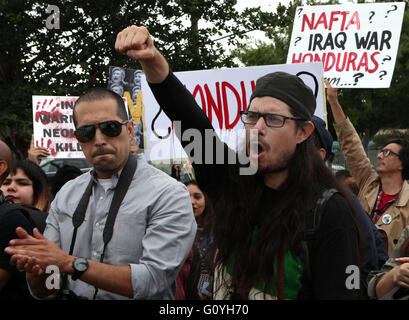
x=356, y=43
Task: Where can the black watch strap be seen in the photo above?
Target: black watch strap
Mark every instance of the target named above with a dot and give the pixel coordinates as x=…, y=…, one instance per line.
x=80, y=265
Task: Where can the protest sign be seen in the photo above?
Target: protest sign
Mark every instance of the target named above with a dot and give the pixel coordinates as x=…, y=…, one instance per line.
x=222, y=94
x=127, y=83
x=356, y=43
x=53, y=126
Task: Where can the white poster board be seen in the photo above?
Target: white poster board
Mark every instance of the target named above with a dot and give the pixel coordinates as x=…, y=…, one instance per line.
x=53, y=126
x=357, y=43
x=222, y=94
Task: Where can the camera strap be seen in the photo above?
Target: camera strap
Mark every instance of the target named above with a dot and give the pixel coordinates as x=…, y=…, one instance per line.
x=78, y=217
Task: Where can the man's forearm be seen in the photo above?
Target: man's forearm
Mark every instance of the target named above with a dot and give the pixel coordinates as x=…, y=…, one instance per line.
x=337, y=111
x=332, y=97
x=116, y=279
x=156, y=69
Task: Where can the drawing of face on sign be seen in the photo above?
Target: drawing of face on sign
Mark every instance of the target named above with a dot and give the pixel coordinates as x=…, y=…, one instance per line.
x=137, y=79
x=138, y=134
x=117, y=89
x=117, y=75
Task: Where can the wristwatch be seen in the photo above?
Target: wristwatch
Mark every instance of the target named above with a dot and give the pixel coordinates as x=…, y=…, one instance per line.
x=80, y=265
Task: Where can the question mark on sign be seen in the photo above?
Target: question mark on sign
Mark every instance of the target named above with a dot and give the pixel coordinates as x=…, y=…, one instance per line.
x=383, y=74
x=357, y=76
x=297, y=40
x=394, y=6
x=300, y=9
x=387, y=59
x=371, y=14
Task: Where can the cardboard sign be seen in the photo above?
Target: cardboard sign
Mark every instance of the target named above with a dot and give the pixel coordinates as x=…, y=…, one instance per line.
x=53, y=126
x=357, y=44
x=222, y=94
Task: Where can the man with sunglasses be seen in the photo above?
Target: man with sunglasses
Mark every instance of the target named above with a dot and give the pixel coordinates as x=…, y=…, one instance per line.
x=259, y=218
x=383, y=191
x=153, y=229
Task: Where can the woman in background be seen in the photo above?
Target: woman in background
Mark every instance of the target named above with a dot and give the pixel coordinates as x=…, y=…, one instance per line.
x=27, y=183
x=194, y=280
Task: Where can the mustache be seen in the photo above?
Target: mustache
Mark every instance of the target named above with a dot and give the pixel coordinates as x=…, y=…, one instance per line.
x=102, y=150
x=260, y=142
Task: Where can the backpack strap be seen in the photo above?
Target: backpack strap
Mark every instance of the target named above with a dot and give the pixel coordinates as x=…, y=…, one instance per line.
x=312, y=223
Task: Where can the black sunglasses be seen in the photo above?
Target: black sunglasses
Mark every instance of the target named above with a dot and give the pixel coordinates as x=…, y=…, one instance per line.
x=110, y=128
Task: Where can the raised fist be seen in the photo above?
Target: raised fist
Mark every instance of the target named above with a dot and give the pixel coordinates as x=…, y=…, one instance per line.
x=136, y=43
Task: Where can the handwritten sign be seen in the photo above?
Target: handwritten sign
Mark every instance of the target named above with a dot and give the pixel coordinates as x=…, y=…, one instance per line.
x=53, y=126
x=357, y=44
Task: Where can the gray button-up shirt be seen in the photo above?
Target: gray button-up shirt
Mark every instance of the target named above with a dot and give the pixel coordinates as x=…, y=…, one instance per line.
x=153, y=232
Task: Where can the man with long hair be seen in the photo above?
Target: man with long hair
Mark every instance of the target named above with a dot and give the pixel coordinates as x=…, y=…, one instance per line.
x=260, y=220
x=383, y=191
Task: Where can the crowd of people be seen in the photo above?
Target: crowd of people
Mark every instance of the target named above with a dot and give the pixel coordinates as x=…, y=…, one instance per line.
x=126, y=230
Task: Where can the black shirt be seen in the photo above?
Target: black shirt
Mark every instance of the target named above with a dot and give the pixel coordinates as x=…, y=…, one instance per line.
x=16, y=288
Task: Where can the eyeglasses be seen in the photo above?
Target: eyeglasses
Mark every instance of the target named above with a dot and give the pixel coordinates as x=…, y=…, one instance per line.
x=110, y=128
x=387, y=152
x=272, y=120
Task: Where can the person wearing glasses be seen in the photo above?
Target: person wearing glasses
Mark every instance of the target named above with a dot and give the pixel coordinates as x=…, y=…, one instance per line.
x=153, y=230
x=383, y=191
x=259, y=243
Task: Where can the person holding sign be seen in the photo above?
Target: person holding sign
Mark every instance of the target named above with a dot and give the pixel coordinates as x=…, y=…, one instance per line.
x=36, y=154
x=383, y=191
x=122, y=230
x=262, y=249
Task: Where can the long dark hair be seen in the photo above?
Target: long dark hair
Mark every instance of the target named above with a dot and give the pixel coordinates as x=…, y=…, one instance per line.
x=41, y=193
x=236, y=211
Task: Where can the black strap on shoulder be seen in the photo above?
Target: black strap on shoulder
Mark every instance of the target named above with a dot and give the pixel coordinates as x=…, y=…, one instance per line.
x=312, y=223
x=79, y=213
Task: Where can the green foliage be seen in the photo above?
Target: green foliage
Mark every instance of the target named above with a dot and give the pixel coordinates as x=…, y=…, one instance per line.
x=67, y=61
x=278, y=28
